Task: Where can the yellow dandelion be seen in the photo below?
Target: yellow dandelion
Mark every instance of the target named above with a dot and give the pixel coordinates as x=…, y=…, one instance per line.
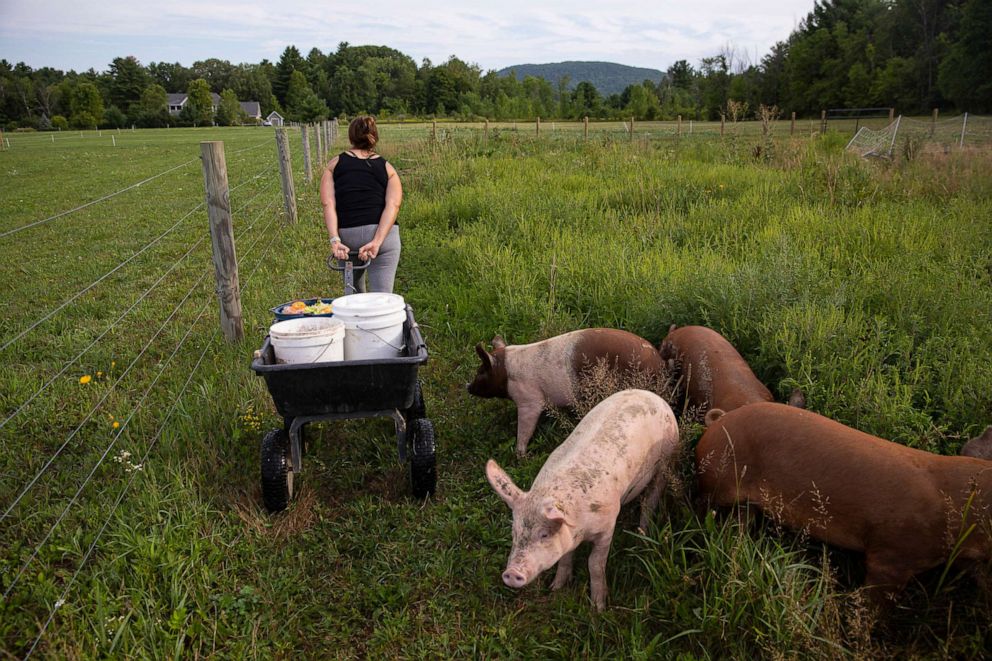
x=99, y=374
x=113, y=363
x=116, y=424
x=86, y=378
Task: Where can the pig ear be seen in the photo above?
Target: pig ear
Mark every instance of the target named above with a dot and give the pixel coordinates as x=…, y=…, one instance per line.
x=487, y=359
x=502, y=484
x=712, y=416
x=554, y=513
x=498, y=342
x=797, y=398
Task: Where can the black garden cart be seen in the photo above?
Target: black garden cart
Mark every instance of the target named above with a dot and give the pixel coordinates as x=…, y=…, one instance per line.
x=315, y=392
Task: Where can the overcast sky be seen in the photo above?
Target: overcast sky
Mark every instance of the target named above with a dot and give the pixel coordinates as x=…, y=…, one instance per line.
x=80, y=34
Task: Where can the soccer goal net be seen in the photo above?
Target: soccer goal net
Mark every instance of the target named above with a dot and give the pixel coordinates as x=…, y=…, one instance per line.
x=875, y=142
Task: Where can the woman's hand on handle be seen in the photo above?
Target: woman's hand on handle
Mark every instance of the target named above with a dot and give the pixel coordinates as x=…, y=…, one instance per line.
x=369, y=251
x=339, y=250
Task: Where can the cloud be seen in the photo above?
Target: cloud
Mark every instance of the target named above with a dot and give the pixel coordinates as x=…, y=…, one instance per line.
x=636, y=32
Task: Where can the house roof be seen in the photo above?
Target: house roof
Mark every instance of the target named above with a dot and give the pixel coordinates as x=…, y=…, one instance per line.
x=251, y=108
x=274, y=114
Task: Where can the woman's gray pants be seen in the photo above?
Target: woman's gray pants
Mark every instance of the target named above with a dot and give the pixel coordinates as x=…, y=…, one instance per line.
x=379, y=276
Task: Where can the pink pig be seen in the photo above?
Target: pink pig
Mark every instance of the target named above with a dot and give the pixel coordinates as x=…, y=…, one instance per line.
x=624, y=444
x=550, y=371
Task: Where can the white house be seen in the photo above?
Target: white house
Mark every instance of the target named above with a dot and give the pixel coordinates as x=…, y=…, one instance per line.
x=252, y=109
x=274, y=119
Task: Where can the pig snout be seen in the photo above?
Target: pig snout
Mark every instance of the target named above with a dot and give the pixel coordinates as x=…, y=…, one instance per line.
x=515, y=577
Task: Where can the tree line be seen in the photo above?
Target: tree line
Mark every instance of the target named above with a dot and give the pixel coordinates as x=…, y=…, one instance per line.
x=909, y=54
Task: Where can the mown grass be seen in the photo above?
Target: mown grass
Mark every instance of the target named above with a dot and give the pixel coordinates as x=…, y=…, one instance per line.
x=866, y=284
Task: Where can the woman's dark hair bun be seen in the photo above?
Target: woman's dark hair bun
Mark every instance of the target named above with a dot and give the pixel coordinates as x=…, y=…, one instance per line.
x=363, y=133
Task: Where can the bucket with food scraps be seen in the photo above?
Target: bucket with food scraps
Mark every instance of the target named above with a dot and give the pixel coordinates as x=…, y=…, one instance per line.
x=310, y=307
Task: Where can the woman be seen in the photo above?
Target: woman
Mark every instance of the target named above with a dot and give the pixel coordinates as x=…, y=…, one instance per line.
x=361, y=195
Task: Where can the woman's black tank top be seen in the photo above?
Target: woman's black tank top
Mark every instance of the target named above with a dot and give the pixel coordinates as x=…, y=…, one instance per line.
x=359, y=190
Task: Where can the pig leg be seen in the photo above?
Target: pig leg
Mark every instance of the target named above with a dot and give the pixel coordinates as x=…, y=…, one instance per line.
x=564, y=573
x=886, y=576
x=650, y=501
x=528, y=414
x=597, y=567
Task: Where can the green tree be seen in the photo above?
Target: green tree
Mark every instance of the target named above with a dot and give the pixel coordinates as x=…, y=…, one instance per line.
x=128, y=79
x=441, y=95
x=681, y=74
x=174, y=77
x=714, y=85
x=199, y=103
x=290, y=61
x=153, y=108
x=219, y=74
x=965, y=75
x=114, y=117
x=302, y=104
x=229, y=110
x=87, y=106
x=586, y=101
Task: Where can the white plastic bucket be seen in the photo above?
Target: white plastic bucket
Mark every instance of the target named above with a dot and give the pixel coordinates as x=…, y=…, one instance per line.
x=373, y=323
x=308, y=340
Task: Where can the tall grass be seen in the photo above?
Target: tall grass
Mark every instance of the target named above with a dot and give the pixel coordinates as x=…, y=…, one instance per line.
x=868, y=284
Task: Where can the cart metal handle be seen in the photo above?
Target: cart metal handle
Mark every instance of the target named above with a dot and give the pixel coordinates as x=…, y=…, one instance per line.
x=349, y=268
x=342, y=264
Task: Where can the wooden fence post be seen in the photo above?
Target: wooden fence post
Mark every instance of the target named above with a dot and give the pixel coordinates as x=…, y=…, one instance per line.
x=286, y=172
x=321, y=155
x=487, y=130
x=723, y=120
x=892, y=114
x=434, y=130
x=538, y=125
x=823, y=121
x=585, y=127
x=3, y=144
x=679, y=131
x=631, y=127
x=222, y=237
x=792, y=127
x=307, y=169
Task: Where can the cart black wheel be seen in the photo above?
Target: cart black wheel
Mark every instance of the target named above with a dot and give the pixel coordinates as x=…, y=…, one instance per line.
x=277, y=471
x=423, y=461
x=418, y=409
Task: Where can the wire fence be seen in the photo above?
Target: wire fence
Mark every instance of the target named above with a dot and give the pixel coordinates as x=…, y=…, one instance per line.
x=962, y=132
x=42, y=498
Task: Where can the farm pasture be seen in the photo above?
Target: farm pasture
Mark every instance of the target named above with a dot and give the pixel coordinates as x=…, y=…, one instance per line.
x=868, y=284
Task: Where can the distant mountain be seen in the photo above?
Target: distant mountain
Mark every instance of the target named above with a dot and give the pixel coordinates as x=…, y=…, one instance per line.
x=607, y=77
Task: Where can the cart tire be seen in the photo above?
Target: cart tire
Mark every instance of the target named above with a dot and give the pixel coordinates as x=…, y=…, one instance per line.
x=423, y=461
x=277, y=471
x=418, y=409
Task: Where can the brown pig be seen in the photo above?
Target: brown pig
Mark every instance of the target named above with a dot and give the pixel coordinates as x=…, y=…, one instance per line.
x=905, y=509
x=979, y=447
x=623, y=445
x=550, y=371
x=714, y=374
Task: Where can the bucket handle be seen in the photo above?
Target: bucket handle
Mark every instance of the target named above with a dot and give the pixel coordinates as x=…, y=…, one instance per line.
x=399, y=349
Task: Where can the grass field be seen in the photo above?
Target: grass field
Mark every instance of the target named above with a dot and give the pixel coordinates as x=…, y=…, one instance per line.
x=867, y=284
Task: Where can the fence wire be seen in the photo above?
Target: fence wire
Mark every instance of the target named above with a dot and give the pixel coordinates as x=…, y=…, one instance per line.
x=96, y=201
x=148, y=450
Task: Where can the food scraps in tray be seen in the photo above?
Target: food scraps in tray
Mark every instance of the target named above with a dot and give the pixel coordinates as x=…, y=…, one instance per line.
x=300, y=307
